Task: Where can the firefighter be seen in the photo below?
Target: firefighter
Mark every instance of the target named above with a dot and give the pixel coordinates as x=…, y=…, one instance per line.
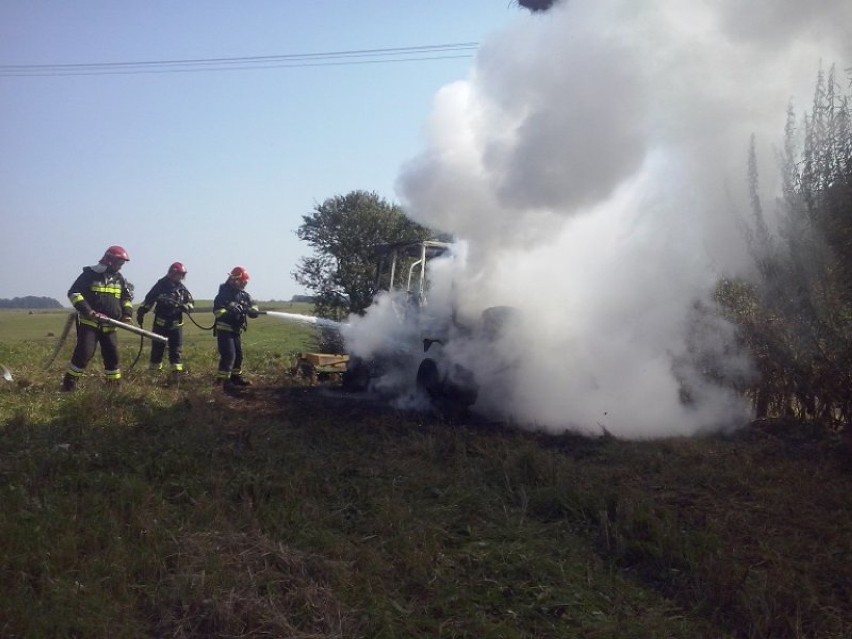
x=99, y=292
x=231, y=306
x=170, y=299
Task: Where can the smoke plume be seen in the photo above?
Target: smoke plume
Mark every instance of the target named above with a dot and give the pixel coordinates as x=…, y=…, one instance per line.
x=594, y=165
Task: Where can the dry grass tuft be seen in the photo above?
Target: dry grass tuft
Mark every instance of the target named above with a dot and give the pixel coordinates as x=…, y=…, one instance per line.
x=243, y=584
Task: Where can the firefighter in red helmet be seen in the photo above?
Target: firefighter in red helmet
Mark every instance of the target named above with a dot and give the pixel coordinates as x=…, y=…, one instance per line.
x=99, y=292
x=231, y=306
x=170, y=299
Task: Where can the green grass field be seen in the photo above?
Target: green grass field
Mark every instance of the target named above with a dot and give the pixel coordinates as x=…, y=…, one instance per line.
x=297, y=511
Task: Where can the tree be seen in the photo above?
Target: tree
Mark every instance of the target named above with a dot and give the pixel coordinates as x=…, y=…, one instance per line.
x=344, y=232
x=795, y=318
x=30, y=301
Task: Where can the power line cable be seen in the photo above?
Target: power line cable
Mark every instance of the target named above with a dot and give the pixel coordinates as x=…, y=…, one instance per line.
x=292, y=60
x=228, y=68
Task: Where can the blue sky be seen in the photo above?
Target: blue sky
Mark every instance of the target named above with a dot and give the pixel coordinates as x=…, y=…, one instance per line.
x=211, y=168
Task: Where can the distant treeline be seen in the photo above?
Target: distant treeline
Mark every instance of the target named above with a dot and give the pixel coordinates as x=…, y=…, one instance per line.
x=30, y=301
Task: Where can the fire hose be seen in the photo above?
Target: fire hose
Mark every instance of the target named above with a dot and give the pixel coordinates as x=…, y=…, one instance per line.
x=72, y=316
x=139, y=331
x=209, y=328
x=145, y=334
x=103, y=320
x=203, y=328
x=212, y=326
x=139, y=352
x=134, y=329
x=306, y=319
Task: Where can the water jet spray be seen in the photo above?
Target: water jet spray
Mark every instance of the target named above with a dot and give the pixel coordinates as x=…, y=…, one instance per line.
x=306, y=319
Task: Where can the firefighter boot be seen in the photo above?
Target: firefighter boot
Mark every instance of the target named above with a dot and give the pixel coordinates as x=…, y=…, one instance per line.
x=69, y=383
x=239, y=380
x=228, y=387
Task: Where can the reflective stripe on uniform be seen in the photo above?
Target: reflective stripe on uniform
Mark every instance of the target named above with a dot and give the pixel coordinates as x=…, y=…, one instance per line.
x=109, y=290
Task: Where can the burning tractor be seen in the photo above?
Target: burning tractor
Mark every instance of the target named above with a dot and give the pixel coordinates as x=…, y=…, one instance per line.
x=410, y=345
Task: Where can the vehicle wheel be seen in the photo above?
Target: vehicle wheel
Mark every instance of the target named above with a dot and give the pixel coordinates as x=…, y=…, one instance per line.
x=356, y=378
x=429, y=380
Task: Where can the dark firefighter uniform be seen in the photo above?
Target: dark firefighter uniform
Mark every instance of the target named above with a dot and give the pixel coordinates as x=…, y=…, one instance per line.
x=170, y=299
x=99, y=291
x=231, y=308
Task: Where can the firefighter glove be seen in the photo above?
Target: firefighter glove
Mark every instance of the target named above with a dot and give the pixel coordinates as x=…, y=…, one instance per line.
x=140, y=315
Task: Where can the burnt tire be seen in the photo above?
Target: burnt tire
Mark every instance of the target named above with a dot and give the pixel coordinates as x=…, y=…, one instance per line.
x=429, y=379
x=356, y=378
x=447, y=398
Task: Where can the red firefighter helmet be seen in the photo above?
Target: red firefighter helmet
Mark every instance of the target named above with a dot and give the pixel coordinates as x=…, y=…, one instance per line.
x=114, y=256
x=239, y=274
x=177, y=269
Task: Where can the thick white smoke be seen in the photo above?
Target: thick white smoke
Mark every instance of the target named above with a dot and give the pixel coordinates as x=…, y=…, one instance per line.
x=595, y=166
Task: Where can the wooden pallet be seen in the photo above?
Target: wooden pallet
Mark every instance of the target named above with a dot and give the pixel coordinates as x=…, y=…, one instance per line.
x=320, y=367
